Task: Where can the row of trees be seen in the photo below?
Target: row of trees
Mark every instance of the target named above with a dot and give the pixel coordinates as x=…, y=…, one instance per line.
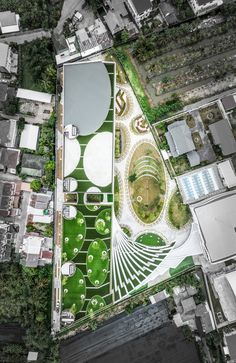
x=25, y=296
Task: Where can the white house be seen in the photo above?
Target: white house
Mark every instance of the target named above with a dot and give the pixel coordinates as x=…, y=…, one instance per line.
x=29, y=137
x=140, y=9
x=36, y=251
x=201, y=7
x=8, y=60
x=9, y=22
x=35, y=106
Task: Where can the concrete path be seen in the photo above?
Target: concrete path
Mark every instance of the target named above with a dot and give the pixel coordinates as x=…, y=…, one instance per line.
x=27, y=36
x=68, y=9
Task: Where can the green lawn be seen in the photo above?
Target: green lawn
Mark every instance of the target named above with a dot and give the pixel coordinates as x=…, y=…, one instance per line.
x=74, y=291
x=151, y=239
x=96, y=303
x=103, y=222
x=186, y=263
x=93, y=208
x=179, y=214
x=97, y=262
x=74, y=234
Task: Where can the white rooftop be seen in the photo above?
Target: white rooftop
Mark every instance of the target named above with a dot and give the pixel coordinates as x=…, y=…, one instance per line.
x=217, y=221
x=32, y=356
x=32, y=245
x=98, y=159
x=36, y=96
x=227, y=172
x=231, y=278
x=29, y=137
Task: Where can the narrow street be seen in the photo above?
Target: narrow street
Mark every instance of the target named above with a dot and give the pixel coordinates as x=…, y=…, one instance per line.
x=26, y=36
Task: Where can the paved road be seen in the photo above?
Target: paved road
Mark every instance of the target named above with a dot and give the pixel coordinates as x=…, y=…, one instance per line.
x=115, y=334
x=69, y=7
x=28, y=36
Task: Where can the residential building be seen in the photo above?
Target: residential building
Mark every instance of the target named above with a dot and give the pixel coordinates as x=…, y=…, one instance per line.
x=189, y=313
x=179, y=139
x=67, y=49
x=227, y=173
x=33, y=165
x=8, y=59
x=230, y=339
x=36, y=251
x=93, y=39
x=201, y=7
x=8, y=131
x=224, y=286
x=29, y=137
x=10, y=195
x=168, y=12
x=118, y=18
x=9, y=22
x=140, y=9
x=35, y=106
x=3, y=94
x=9, y=159
x=229, y=103
x=223, y=136
x=216, y=218
x=7, y=238
x=40, y=209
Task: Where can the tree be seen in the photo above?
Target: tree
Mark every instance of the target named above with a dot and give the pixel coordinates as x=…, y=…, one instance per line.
x=36, y=185
x=49, y=79
x=124, y=36
x=21, y=124
x=132, y=177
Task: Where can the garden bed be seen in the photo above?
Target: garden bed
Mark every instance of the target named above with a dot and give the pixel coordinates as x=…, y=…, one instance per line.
x=74, y=233
x=178, y=213
x=74, y=291
x=151, y=239
x=97, y=262
x=146, y=183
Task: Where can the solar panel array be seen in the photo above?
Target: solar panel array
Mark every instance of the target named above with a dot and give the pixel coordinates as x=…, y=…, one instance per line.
x=197, y=185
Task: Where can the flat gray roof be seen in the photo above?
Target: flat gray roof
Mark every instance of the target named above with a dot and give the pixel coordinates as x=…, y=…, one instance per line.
x=217, y=221
x=179, y=138
x=223, y=136
x=87, y=95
